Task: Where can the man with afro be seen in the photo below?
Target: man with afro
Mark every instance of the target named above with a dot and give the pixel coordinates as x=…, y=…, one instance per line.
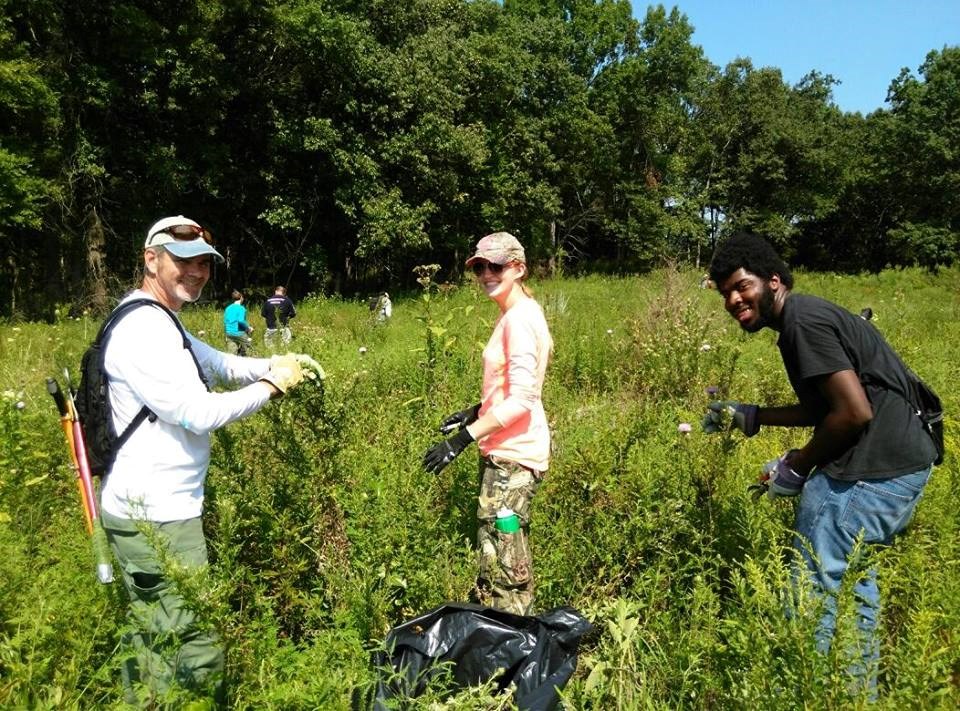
x=863, y=470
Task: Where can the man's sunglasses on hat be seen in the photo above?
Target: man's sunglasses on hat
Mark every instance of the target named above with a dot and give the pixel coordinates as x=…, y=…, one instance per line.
x=186, y=233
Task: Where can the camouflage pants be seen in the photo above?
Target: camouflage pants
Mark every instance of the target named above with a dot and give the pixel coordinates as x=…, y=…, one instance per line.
x=238, y=344
x=505, y=580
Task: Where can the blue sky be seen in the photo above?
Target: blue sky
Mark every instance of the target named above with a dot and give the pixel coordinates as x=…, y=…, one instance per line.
x=863, y=43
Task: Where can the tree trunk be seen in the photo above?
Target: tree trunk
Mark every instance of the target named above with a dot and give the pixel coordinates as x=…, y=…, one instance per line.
x=96, y=281
x=14, y=284
x=552, y=262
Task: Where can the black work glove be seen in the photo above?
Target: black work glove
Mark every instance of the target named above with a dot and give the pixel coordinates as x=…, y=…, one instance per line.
x=442, y=453
x=460, y=419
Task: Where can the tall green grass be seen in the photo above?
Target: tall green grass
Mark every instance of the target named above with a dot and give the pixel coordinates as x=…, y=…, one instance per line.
x=325, y=532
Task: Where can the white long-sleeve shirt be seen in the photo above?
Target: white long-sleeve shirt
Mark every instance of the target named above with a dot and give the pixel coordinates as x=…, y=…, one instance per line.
x=159, y=472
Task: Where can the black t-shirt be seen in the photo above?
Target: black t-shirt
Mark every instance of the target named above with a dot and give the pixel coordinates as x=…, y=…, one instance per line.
x=275, y=305
x=819, y=338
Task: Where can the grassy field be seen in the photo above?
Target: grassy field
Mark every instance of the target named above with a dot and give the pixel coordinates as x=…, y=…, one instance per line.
x=325, y=532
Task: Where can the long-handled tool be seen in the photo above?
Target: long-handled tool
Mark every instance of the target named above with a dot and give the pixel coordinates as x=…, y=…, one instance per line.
x=78, y=457
x=67, y=424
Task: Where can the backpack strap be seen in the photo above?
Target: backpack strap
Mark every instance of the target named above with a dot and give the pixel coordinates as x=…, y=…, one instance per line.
x=104, y=334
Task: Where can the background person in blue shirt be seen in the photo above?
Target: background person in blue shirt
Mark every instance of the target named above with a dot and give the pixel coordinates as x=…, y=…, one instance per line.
x=236, y=327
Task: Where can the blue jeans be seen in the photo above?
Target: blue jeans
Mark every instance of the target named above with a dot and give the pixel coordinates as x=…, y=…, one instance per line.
x=831, y=516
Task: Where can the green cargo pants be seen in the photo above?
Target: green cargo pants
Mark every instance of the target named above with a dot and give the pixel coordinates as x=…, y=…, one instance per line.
x=505, y=580
x=165, y=648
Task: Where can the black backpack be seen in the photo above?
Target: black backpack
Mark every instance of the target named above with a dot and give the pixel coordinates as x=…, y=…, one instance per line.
x=926, y=403
x=93, y=394
x=921, y=397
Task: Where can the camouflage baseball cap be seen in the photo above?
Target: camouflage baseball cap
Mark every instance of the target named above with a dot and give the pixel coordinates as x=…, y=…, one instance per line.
x=499, y=248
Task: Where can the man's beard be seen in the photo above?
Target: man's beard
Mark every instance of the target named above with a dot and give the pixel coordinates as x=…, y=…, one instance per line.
x=764, y=312
x=187, y=294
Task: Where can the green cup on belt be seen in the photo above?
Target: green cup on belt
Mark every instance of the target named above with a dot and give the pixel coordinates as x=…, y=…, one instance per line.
x=507, y=521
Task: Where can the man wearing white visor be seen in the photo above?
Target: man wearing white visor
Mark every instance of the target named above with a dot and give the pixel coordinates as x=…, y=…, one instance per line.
x=153, y=492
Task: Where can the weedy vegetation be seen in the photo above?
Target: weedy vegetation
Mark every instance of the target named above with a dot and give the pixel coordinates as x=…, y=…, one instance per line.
x=325, y=532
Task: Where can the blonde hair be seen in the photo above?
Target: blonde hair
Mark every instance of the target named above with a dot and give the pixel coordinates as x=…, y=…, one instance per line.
x=527, y=291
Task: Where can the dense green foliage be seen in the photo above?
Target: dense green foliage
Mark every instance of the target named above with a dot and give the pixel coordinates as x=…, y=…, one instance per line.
x=332, y=145
x=324, y=531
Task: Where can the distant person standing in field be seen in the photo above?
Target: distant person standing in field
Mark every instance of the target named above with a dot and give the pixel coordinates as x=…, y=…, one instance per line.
x=277, y=312
x=235, y=325
x=508, y=423
x=384, y=308
x=152, y=495
x=864, y=469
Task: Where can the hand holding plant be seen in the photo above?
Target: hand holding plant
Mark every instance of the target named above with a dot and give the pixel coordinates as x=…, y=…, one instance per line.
x=723, y=415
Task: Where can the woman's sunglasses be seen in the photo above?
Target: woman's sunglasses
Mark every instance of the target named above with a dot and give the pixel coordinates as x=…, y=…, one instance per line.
x=495, y=269
x=188, y=233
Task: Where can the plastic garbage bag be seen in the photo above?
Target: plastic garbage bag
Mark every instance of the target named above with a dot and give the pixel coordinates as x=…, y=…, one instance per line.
x=536, y=654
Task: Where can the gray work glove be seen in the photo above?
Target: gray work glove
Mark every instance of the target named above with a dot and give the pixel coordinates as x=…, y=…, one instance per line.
x=778, y=479
x=460, y=419
x=726, y=414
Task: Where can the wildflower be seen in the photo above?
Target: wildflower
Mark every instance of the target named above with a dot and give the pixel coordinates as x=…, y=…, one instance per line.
x=684, y=428
x=425, y=274
x=704, y=347
x=363, y=350
x=201, y=333
x=21, y=404
x=712, y=390
x=609, y=331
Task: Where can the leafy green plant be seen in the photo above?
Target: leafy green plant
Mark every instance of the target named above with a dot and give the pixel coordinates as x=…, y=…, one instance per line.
x=438, y=334
x=324, y=532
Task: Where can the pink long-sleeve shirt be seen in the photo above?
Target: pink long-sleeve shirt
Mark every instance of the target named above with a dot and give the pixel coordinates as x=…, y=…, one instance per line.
x=514, y=366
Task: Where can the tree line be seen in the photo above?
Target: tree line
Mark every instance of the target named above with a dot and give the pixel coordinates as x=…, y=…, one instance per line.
x=331, y=145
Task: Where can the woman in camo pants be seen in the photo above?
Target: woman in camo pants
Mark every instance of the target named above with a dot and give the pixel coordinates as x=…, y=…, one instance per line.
x=509, y=424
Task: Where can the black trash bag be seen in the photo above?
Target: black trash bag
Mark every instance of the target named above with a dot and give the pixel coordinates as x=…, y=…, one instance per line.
x=537, y=654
